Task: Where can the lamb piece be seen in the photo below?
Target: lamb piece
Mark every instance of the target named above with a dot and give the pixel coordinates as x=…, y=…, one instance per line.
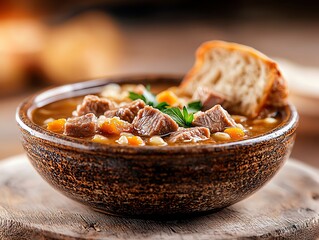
x=150, y=121
x=126, y=112
x=94, y=104
x=82, y=126
x=215, y=119
x=194, y=134
x=208, y=97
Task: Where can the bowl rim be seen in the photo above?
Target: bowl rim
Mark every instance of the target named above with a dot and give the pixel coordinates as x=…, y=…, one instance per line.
x=26, y=107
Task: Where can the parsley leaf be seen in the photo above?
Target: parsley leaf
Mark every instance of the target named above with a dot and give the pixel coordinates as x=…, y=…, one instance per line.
x=188, y=117
x=182, y=118
x=194, y=107
x=135, y=96
x=162, y=106
x=176, y=114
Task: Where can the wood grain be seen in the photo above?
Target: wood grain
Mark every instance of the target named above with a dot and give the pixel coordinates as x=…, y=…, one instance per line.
x=287, y=207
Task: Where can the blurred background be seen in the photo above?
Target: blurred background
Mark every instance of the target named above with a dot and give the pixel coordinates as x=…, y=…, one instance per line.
x=45, y=43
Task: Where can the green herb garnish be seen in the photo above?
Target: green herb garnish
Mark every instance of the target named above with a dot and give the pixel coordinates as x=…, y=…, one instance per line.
x=182, y=118
x=194, y=107
x=162, y=106
x=149, y=98
x=135, y=96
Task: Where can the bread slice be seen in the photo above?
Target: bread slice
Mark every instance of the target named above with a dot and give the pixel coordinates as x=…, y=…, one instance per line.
x=247, y=78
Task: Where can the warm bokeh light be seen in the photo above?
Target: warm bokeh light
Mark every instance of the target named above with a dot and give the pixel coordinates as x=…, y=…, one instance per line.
x=85, y=47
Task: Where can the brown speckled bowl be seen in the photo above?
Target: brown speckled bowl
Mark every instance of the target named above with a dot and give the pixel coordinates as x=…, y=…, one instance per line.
x=149, y=180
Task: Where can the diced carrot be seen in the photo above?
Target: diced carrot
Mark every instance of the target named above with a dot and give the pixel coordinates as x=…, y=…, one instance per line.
x=110, y=128
x=57, y=125
x=114, y=126
x=167, y=96
x=135, y=141
x=235, y=133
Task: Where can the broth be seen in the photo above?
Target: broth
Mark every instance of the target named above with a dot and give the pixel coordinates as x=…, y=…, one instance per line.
x=64, y=108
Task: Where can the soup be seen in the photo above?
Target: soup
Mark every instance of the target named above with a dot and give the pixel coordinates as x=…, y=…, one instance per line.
x=134, y=115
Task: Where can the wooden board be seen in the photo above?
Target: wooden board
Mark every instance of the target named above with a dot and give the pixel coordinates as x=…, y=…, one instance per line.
x=287, y=207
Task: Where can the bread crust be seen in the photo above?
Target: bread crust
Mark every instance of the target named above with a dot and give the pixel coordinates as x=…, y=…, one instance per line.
x=275, y=92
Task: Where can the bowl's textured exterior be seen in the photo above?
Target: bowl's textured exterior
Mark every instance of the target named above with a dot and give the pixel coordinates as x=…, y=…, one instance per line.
x=152, y=180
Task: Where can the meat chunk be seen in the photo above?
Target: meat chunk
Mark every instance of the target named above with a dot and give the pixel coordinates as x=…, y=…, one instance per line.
x=94, y=104
x=82, y=126
x=215, y=119
x=150, y=121
x=194, y=134
x=126, y=112
x=208, y=97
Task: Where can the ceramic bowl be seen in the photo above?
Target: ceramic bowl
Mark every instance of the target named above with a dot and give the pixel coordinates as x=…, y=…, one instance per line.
x=150, y=180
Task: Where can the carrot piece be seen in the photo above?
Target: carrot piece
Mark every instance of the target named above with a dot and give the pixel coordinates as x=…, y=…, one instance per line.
x=114, y=126
x=110, y=128
x=235, y=133
x=57, y=126
x=167, y=96
x=135, y=141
